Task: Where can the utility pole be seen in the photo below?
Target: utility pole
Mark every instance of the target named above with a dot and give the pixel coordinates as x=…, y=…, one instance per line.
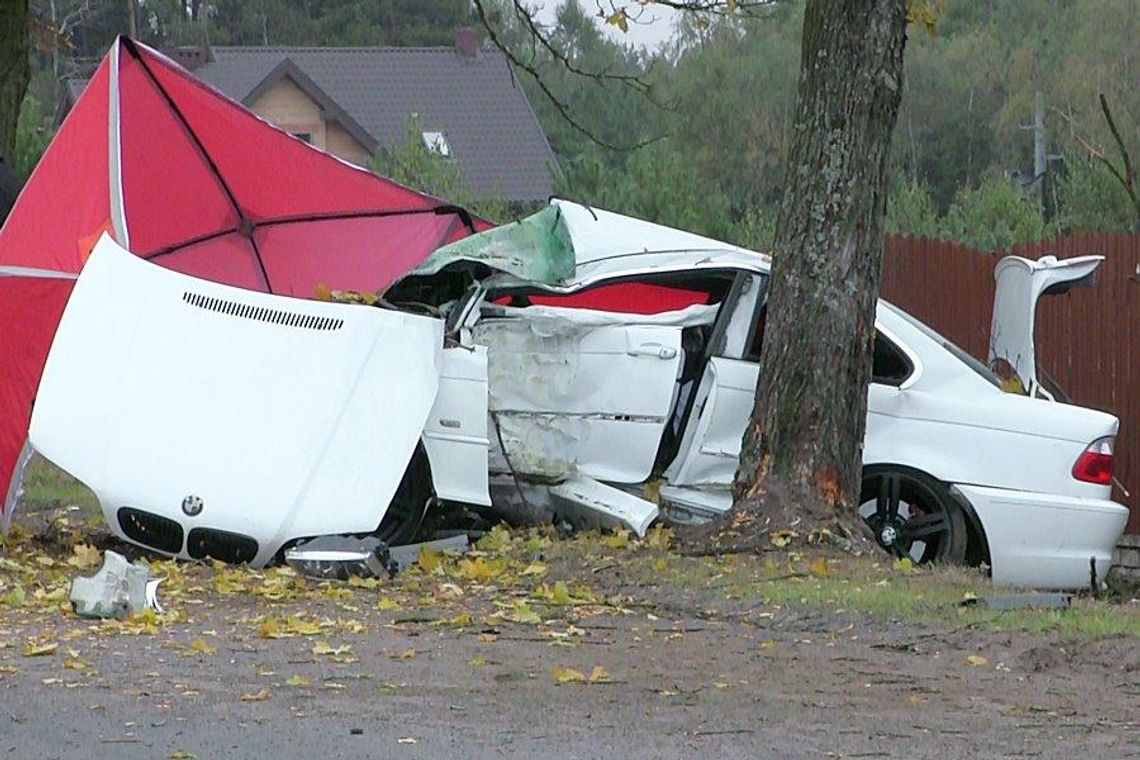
x=1039, y=157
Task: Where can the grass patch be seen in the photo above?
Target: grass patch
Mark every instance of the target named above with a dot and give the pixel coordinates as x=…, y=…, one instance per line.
x=876, y=586
x=46, y=485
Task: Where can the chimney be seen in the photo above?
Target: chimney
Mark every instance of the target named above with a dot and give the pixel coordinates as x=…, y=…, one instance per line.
x=465, y=41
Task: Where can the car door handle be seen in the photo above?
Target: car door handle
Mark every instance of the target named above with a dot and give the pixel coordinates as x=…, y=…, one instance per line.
x=654, y=349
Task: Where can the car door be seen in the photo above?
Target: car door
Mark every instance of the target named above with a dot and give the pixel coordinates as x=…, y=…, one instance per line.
x=710, y=447
x=568, y=396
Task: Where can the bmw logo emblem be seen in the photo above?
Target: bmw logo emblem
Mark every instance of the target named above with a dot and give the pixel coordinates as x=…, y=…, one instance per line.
x=192, y=505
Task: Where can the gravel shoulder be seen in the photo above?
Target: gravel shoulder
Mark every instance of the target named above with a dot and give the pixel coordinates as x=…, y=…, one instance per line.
x=595, y=647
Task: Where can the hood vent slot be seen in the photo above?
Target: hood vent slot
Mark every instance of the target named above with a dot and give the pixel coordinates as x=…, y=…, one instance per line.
x=261, y=313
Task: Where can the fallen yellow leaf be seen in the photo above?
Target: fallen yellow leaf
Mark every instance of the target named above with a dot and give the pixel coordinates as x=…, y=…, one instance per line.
x=568, y=675
x=781, y=538
x=479, y=569
x=83, y=556
x=977, y=660
x=429, y=559
x=617, y=540
x=599, y=675
x=200, y=646
x=298, y=681
x=904, y=565
x=259, y=696
x=34, y=649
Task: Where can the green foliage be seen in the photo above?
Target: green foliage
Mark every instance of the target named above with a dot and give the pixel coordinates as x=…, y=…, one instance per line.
x=721, y=96
x=1092, y=199
x=911, y=211
x=415, y=165
x=656, y=185
x=995, y=214
x=730, y=118
x=34, y=131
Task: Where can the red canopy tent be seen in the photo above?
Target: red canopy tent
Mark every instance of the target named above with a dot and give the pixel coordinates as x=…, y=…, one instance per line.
x=183, y=176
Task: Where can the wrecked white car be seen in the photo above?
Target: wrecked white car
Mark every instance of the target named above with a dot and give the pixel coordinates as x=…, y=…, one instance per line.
x=599, y=368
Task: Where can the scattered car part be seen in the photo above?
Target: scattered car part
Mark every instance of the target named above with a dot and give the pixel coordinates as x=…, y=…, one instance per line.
x=338, y=558
x=586, y=503
x=342, y=557
x=116, y=590
x=1054, y=601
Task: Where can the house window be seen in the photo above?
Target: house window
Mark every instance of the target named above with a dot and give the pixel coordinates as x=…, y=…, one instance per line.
x=306, y=136
x=437, y=143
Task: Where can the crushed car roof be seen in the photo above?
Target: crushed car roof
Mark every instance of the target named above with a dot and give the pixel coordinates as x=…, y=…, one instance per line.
x=566, y=241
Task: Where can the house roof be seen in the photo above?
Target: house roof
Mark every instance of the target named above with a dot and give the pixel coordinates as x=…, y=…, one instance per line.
x=473, y=99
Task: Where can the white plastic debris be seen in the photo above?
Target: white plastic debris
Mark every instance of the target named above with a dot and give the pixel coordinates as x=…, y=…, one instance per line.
x=116, y=590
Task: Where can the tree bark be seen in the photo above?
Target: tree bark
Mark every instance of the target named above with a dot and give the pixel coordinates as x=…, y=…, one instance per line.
x=14, y=72
x=801, y=454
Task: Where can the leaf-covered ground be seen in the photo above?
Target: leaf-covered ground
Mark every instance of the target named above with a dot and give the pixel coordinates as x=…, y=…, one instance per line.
x=594, y=646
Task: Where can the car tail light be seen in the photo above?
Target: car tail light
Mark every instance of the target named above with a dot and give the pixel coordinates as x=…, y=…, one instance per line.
x=1094, y=465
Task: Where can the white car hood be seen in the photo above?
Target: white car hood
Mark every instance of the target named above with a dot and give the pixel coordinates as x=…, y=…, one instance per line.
x=281, y=417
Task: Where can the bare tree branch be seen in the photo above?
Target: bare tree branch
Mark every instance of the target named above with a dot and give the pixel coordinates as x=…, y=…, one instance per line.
x=530, y=68
x=540, y=38
x=1128, y=175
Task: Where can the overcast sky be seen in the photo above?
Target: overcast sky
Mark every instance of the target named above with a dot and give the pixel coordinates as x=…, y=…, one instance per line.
x=656, y=26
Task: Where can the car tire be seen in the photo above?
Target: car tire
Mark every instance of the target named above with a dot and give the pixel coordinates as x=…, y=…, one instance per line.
x=913, y=515
x=406, y=511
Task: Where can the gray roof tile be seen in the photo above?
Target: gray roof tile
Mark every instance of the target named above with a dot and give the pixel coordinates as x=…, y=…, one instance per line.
x=474, y=100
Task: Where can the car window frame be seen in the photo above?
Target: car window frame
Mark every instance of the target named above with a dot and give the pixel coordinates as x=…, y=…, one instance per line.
x=912, y=359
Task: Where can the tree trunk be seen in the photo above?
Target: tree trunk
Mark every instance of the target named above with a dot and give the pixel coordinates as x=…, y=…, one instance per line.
x=801, y=455
x=14, y=72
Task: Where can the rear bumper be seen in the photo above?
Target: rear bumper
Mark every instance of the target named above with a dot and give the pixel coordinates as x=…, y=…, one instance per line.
x=1045, y=540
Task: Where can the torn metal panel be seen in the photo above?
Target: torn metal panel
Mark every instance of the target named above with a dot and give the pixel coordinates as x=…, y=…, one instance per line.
x=535, y=249
x=690, y=316
x=689, y=506
x=568, y=398
x=586, y=503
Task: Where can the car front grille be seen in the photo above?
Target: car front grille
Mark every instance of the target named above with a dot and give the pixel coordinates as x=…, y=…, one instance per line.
x=151, y=530
x=221, y=545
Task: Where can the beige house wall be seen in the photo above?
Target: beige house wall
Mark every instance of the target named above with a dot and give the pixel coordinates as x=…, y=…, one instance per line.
x=340, y=143
x=288, y=107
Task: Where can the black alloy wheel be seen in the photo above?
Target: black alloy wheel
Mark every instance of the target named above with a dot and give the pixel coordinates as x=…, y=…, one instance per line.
x=913, y=515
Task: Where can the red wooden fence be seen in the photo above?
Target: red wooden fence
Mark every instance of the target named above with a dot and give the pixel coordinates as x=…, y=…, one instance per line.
x=1084, y=337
